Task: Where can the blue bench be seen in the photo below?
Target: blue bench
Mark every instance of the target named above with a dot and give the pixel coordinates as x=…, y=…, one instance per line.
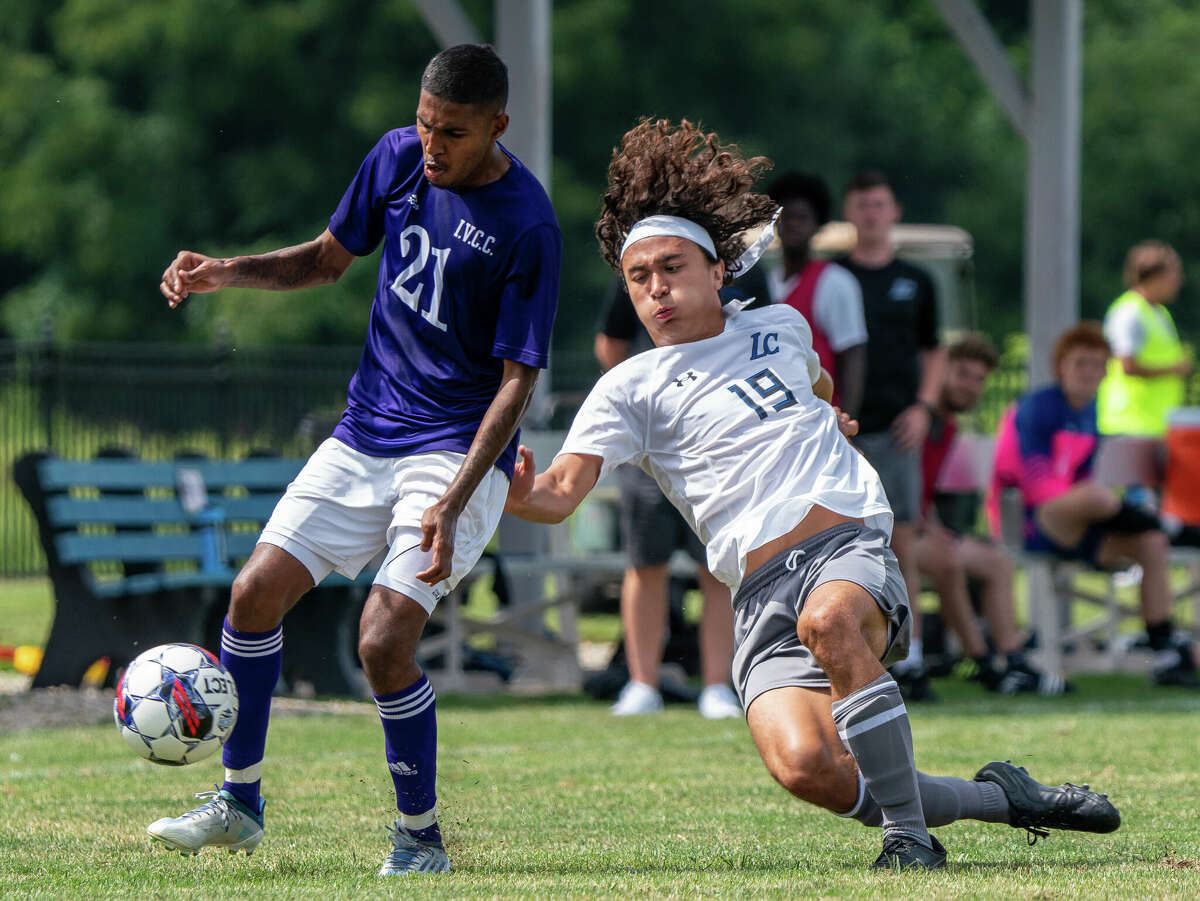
x=133, y=564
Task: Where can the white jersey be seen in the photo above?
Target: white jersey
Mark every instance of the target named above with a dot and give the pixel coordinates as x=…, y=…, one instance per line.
x=730, y=429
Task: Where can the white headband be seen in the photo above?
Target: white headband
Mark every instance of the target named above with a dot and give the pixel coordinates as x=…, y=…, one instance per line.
x=669, y=226
x=678, y=227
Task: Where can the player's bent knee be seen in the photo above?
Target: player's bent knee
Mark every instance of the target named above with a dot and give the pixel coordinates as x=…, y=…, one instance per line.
x=388, y=634
x=811, y=773
x=822, y=629
x=257, y=602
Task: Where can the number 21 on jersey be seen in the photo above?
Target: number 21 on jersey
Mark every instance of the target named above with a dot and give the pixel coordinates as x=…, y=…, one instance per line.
x=410, y=283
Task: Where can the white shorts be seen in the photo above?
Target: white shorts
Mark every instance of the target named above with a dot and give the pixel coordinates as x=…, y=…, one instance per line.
x=345, y=508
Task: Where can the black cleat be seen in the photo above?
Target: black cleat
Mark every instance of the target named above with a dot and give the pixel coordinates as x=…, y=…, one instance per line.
x=1021, y=678
x=903, y=852
x=1038, y=808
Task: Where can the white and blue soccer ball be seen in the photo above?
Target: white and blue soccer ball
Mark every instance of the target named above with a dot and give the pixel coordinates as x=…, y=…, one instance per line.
x=175, y=704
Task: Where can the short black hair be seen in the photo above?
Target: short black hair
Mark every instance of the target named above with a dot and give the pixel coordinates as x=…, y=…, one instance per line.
x=803, y=186
x=467, y=73
x=866, y=179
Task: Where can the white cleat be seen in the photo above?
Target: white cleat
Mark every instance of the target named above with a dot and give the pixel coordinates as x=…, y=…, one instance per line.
x=636, y=699
x=718, y=702
x=222, y=822
x=411, y=855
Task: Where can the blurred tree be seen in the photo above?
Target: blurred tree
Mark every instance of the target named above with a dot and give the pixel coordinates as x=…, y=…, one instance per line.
x=133, y=129
x=130, y=130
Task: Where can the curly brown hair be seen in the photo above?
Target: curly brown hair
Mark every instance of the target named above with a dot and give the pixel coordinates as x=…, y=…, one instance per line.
x=664, y=169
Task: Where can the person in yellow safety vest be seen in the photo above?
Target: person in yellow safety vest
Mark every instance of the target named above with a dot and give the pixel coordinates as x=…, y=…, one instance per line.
x=1146, y=372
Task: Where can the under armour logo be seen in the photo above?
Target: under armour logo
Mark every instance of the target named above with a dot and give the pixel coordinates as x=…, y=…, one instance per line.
x=413, y=202
x=688, y=376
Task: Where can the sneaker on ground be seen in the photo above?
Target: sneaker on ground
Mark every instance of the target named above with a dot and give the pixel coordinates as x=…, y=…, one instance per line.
x=411, y=855
x=222, y=822
x=637, y=698
x=914, y=684
x=718, y=702
x=1036, y=808
x=1172, y=666
x=1024, y=679
x=903, y=852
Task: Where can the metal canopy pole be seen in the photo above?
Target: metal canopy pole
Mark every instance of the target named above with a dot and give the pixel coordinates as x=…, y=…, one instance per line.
x=983, y=48
x=1052, y=181
x=523, y=41
x=1048, y=117
x=449, y=24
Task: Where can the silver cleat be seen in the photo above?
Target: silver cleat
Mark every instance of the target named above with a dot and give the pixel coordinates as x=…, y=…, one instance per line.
x=221, y=822
x=411, y=855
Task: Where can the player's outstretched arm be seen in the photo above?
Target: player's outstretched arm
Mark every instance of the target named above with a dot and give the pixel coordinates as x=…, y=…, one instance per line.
x=320, y=261
x=553, y=495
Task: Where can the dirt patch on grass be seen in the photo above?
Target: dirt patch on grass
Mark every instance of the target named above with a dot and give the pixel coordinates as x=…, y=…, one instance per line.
x=23, y=709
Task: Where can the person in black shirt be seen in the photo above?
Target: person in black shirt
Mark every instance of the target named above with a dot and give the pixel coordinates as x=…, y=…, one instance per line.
x=904, y=374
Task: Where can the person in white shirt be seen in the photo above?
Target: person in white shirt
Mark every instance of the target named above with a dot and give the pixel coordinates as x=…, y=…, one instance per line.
x=726, y=413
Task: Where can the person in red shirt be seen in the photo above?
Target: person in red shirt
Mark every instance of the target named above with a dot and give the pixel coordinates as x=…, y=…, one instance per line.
x=949, y=559
x=825, y=293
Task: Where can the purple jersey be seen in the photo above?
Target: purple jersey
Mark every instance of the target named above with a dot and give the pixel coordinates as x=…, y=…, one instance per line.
x=468, y=278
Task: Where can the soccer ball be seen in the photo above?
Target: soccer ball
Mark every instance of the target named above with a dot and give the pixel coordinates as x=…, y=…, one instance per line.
x=175, y=704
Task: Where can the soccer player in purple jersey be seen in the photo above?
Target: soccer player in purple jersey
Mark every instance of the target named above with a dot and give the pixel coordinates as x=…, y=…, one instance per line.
x=421, y=460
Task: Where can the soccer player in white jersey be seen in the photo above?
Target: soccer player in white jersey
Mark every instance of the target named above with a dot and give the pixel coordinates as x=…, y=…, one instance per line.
x=420, y=462
x=726, y=414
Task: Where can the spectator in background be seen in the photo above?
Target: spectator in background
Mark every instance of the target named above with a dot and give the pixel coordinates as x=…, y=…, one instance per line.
x=948, y=559
x=904, y=376
x=1146, y=373
x=651, y=530
x=1047, y=448
x=827, y=295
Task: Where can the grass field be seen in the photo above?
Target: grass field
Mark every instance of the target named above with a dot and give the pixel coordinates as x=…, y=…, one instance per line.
x=555, y=798
x=26, y=610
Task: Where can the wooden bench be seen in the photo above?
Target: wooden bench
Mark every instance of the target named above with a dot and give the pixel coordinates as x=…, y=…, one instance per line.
x=133, y=564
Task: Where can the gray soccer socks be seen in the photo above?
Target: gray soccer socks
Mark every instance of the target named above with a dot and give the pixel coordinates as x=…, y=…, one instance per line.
x=944, y=799
x=873, y=724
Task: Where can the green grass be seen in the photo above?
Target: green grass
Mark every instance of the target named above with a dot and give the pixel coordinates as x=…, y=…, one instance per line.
x=555, y=798
x=26, y=610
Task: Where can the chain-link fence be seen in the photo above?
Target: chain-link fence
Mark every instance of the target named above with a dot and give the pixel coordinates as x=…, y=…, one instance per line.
x=160, y=401
x=156, y=402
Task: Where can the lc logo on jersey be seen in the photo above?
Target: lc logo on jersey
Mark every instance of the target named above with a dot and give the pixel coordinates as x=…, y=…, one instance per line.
x=769, y=344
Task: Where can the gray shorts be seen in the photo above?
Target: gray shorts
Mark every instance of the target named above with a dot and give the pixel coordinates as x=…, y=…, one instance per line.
x=900, y=472
x=767, y=653
x=652, y=529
